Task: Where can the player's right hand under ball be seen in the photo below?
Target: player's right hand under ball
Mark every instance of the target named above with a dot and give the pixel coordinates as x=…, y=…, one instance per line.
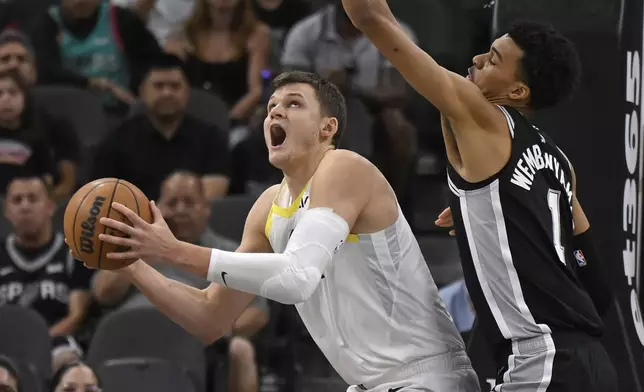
x=446, y=220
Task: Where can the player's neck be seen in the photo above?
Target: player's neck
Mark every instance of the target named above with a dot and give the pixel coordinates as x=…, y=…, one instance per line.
x=299, y=175
x=35, y=240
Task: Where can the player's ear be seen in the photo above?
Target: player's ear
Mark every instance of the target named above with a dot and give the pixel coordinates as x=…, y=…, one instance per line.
x=329, y=127
x=520, y=92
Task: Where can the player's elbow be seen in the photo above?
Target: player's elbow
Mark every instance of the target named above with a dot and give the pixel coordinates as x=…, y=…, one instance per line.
x=210, y=335
x=292, y=287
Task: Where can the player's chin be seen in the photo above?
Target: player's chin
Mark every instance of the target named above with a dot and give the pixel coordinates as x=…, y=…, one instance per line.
x=277, y=157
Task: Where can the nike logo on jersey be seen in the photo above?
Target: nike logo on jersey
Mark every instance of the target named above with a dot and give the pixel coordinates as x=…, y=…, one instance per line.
x=6, y=271
x=304, y=202
x=223, y=277
x=395, y=389
x=55, y=268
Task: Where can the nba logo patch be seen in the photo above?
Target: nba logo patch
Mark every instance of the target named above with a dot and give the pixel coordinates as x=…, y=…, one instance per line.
x=581, y=260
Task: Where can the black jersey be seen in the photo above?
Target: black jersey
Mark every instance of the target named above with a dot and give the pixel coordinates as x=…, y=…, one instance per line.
x=42, y=278
x=514, y=233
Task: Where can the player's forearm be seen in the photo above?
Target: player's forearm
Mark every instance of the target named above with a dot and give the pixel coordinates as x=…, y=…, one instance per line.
x=592, y=272
x=65, y=326
x=185, y=305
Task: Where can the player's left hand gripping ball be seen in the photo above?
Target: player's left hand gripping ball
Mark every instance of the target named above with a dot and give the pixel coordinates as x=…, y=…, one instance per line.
x=147, y=241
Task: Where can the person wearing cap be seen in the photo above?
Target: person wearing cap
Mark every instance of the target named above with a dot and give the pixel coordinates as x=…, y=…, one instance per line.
x=92, y=43
x=16, y=52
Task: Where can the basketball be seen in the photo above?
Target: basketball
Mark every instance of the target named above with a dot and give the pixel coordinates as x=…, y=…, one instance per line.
x=83, y=214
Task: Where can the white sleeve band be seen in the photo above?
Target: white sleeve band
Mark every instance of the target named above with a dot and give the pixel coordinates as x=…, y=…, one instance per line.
x=290, y=277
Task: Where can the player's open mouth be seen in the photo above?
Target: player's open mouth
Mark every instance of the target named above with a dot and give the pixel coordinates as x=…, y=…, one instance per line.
x=278, y=135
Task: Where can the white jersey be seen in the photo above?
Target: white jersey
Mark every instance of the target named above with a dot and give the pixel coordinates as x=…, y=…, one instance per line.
x=377, y=307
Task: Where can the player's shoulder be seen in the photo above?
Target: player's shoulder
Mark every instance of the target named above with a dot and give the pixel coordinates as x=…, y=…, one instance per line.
x=345, y=159
x=265, y=200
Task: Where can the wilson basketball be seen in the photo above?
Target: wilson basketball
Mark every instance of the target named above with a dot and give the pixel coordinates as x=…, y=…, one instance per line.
x=84, y=212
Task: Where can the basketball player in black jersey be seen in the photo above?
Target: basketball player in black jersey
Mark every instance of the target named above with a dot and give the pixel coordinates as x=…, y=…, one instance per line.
x=523, y=237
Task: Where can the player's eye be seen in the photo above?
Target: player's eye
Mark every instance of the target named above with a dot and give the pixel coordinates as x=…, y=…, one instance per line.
x=294, y=104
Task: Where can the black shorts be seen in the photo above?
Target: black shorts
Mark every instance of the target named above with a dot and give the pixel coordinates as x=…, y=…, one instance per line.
x=563, y=363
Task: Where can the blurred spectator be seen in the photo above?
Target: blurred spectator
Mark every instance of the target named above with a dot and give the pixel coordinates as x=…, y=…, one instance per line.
x=146, y=148
x=186, y=211
x=65, y=350
x=328, y=44
x=163, y=17
x=225, y=49
x=252, y=173
x=16, y=52
x=9, y=379
x=36, y=268
x=280, y=16
x=75, y=377
x=458, y=304
x=89, y=43
x=24, y=146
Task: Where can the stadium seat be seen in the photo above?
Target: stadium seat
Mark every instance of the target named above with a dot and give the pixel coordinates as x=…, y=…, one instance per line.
x=24, y=337
x=143, y=374
x=147, y=333
x=80, y=107
x=228, y=215
x=203, y=105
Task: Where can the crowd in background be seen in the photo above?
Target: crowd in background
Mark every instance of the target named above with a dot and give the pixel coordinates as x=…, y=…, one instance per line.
x=181, y=86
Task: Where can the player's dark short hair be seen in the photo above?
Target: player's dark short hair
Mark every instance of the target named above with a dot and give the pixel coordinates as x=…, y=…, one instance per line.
x=550, y=65
x=331, y=99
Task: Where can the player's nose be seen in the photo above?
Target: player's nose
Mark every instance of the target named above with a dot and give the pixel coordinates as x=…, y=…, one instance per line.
x=277, y=111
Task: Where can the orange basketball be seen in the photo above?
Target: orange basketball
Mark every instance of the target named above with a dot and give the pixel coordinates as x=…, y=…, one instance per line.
x=82, y=220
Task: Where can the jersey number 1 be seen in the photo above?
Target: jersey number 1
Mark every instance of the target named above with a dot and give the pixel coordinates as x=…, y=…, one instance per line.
x=553, y=203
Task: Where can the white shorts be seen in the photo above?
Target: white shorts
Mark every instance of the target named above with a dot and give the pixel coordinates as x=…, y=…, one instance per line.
x=432, y=377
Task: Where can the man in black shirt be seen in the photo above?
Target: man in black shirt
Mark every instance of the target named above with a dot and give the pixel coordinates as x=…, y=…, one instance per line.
x=36, y=268
x=149, y=146
x=90, y=43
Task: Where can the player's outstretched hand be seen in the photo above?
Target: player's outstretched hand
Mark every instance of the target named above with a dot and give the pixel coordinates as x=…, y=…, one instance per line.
x=445, y=220
x=147, y=241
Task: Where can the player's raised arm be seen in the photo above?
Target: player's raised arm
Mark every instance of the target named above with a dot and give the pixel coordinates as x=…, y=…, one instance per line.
x=452, y=94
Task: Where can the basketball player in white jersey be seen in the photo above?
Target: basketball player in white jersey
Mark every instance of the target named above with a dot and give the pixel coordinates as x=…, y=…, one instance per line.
x=330, y=239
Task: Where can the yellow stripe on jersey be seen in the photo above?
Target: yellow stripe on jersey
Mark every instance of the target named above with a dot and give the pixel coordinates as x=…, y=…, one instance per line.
x=287, y=212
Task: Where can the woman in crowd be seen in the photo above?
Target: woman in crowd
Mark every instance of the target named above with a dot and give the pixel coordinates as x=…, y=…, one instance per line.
x=75, y=377
x=225, y=49
x=24, y=144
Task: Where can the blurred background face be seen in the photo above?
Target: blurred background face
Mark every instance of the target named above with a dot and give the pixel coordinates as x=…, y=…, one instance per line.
x=165, y=93
x=223, y=5
x=79, y=9
x=184, y=206
x=78, y=379
x=292, y=127
x=7, y=380
x=12, y=100
x=28, y=207
x=15, y=56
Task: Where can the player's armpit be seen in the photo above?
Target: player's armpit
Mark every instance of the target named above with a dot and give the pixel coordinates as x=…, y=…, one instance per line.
x=455, y=96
